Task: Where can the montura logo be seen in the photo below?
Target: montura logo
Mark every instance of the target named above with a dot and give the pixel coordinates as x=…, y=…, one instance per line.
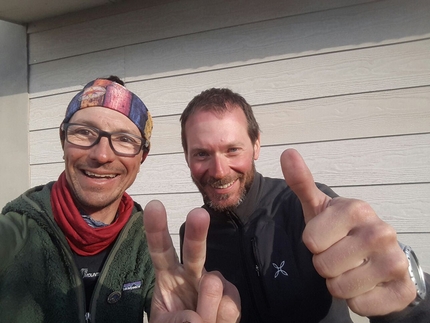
x=86, y=274
x=279, y=269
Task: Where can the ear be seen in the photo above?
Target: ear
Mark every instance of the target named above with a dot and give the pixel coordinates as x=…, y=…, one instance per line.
x=257, y=148
x=144, y=155
x=62, y=137
x=186, y=158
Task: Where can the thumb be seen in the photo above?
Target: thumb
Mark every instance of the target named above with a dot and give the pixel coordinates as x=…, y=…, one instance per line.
x=299, y=178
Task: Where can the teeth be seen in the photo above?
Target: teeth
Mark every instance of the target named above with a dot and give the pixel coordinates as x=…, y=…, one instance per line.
x=223, y=186
x=98, y=176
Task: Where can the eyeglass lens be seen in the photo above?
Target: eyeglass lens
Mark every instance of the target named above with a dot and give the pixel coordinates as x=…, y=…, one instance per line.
x=87, y=136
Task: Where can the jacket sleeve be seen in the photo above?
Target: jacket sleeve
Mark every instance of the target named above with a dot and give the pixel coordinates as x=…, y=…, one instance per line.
x=13, y=235
x=416, y=314
x=338, y=312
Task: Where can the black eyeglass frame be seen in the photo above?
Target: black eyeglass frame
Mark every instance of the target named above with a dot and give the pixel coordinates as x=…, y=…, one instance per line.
x=101, y=133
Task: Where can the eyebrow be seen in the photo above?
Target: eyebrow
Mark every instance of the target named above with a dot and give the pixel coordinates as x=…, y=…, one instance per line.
x=92, y=124
x=235, y=144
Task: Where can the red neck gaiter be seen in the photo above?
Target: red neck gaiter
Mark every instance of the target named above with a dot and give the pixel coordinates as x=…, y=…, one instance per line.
x=83, y=239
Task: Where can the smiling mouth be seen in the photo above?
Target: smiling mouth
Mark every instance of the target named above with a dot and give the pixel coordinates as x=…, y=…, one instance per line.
x=218, y=185
x=94, y=175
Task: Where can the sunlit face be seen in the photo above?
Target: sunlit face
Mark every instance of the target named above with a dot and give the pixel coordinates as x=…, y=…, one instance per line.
x=221, y=156
x=96, y=175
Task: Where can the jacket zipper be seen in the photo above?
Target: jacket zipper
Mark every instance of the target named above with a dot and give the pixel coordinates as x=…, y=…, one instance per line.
x=255, y=254
x=103, y=271
x=239, y=227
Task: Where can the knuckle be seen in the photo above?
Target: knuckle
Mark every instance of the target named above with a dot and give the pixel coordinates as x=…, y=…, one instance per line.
x=321, y=265
x=212, y=284
x=360, y=210
x=228, y=310
x=380, y=236
x=309, y=241
x=337, y=289
x=395, y=265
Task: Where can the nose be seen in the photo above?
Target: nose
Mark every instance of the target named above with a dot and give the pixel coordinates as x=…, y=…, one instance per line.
x=102, y=151
x=219, y=167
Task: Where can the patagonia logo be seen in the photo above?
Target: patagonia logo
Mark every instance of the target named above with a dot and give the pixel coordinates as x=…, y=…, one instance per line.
x=131, y=286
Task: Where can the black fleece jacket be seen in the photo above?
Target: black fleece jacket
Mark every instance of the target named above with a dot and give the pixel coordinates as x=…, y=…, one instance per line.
x=259, y=248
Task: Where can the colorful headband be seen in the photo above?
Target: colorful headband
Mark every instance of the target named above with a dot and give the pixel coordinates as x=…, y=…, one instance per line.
x=111, y=95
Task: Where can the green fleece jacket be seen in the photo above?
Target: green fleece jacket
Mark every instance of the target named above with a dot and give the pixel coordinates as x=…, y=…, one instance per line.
x=39, y=281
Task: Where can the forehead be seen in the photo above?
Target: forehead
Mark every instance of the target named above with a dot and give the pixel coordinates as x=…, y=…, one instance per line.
x=231, y=115
x=207, y=126
x=105, y=119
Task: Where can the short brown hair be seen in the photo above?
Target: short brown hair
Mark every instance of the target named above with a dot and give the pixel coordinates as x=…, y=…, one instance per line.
x=216, y=99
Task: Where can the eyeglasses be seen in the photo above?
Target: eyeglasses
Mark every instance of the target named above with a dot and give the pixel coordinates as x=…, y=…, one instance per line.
x=123, y=144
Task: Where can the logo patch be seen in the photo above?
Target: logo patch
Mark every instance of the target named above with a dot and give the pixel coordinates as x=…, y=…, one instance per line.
x=131, y=286
x=86, y=274
x=279, y=269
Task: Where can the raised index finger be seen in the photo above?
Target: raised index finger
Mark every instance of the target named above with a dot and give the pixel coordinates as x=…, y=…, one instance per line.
x=160, y=243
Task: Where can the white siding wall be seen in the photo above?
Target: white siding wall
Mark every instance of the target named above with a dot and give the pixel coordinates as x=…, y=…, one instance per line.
x=14, y=170
x=346, y=82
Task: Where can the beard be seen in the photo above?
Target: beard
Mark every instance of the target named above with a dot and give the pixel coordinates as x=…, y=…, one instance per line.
x=220, y=202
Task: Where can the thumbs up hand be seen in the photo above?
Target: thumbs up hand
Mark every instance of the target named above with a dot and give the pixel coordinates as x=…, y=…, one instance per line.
x=353, y=248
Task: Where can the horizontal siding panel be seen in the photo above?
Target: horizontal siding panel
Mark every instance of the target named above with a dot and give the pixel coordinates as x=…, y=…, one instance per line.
x=374, y=24
x=387, y=160
x=45, y=147
x=42, y=174
x=346, y=117
x=405, y=207
x=163, y=21
x=376, y=69
x=359, y=71
x=69, y=75
x=111, y=9
x=48, y=111
x=242, y=45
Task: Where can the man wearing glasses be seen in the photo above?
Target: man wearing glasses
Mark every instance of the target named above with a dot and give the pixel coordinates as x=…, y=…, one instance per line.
x=75, y=250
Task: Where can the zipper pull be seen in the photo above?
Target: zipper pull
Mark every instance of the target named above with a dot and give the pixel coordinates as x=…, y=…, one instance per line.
x=257, y=269
x=88, y=317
